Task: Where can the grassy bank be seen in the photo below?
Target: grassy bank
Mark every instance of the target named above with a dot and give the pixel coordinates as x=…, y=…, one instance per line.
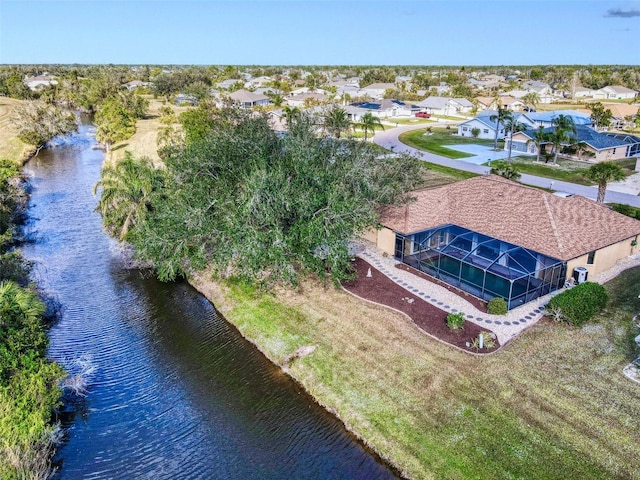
x=553, y=404
x=10, y=145
x=437, y=138
x=566, y=170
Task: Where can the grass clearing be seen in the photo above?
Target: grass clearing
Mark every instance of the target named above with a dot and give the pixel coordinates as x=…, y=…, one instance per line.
x=553, y=404
x=144, y=143
x=438, y=137
x=11, y=146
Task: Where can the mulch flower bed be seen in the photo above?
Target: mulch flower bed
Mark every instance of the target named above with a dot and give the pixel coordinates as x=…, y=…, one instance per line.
x=381, y=289
x=475, y=301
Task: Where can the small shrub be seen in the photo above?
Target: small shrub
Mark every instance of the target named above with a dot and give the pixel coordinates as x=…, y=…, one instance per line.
x=455, y=320
x=497, y=306
x=475, y=132
x=579, y=303
x=488, y=341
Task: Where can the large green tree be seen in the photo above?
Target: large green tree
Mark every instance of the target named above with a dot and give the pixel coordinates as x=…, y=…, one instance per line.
x=602, y=173
x=39, y=122
x=265, y=208
x=114, y=123
x=600, y=116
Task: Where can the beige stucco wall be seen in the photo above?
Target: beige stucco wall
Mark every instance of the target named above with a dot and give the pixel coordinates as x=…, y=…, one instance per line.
x=384, y=239
x=605, y=258
x=606, y=155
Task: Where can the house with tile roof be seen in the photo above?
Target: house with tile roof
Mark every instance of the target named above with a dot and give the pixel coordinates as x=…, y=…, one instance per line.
x=493, y=237
x=599, y=146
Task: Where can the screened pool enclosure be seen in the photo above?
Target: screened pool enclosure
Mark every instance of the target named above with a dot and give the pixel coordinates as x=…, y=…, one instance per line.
x=481, y=265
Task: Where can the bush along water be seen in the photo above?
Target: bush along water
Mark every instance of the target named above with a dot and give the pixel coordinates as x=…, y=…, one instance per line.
x=29, y=389
x=578, y=304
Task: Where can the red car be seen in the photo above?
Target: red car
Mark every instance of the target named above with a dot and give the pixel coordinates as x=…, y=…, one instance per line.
x=423, y=115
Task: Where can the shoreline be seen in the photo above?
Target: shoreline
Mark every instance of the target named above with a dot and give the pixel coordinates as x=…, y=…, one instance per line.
x=212, y=291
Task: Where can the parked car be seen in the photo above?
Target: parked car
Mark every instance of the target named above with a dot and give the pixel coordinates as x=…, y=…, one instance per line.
x=423, y=115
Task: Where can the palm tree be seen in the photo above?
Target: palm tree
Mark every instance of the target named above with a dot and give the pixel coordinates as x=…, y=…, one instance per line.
x=18, y=306
x=540, y=136
x=336, y=121
x=499, y=117
x=127, y=190
x=512, y=126
x=602, y=173
x=369, y=123
x=531, y=99
x=564, y=125
x=505, y=170
x=291, y=114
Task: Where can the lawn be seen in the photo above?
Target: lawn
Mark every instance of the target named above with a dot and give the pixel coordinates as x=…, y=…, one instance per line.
x=566, y=170
x=10, y=146
x=144, y=141
x=438, y=137
x=553, y=404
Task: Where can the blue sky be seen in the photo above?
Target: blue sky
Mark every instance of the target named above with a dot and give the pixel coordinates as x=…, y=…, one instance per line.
x=321, y=32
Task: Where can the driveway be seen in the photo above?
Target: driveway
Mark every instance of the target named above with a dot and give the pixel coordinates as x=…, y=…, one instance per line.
x=481, y=153
x=389, y=139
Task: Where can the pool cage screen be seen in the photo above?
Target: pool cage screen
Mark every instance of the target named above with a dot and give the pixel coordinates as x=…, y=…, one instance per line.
x=481, y=265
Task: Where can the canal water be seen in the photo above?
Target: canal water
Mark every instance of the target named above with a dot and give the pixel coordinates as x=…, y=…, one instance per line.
x=174, y=392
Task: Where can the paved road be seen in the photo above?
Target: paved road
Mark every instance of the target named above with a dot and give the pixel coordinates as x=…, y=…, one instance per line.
x=389, y=139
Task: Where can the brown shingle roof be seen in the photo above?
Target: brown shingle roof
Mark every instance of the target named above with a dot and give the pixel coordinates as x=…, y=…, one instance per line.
x=562, y=228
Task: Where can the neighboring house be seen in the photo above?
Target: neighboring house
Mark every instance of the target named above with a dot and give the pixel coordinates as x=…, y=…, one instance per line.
x=493, y=237
x=545, y=119
x=136, y=84
x=382, y=109
x=599, y=146
x=617, y=92
x=488, y=127
x=445, y=105
x=304, y=99
x=277, y=121
x=184, y=99
x=376, y=90
x=623, y=114
x=229, y=83
x=486, y=103
x=485, y=125
x=299, y=91
x=246, y=99
x=583, y=92
x=510, y=103
x=257, y=82
x=39, y=82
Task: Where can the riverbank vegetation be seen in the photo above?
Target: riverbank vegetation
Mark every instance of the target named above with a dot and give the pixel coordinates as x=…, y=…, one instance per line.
x=28, y=381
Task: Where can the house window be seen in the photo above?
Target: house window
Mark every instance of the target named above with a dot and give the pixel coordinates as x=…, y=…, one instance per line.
x=485, y=130
x=464, y=129
x=591, y=258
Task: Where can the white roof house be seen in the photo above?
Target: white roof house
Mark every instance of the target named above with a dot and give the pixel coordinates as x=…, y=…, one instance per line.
x=445, y=105
x=615, y=92
x=246, y=99
x=376, y=90
x=40, y=81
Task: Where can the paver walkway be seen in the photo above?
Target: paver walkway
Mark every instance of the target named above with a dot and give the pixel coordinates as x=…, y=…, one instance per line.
x=506, y=327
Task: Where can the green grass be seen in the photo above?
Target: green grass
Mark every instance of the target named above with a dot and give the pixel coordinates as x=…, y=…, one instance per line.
x=409, y=121
x=566, y=170
x=553, y=404
x=434, y=142
x=450, y=171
